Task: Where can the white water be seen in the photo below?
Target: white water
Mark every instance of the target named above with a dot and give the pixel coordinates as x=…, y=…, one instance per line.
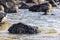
x=35, y=19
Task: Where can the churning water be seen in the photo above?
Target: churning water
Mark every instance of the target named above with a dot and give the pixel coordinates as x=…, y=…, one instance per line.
x=34, y=19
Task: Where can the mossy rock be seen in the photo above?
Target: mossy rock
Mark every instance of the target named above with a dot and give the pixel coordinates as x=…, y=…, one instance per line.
x=4, y=25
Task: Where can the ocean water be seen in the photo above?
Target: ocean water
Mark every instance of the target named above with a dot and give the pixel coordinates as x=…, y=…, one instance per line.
x=35, y=19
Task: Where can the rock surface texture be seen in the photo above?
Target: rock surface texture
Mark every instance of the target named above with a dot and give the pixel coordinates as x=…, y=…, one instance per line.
x=21, y=28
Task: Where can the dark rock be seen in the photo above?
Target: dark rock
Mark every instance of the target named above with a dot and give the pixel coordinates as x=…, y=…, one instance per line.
x=2, y=15
x=23, y=6
x=13, y=9
x=29, y=1
x=9, y=6
x=9, y=10
x=40, y=8
x=21, y=28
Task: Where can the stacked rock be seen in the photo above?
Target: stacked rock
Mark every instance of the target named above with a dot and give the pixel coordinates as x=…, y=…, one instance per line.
x=21, y=28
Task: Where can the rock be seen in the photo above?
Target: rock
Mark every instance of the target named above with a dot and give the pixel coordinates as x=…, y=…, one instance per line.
x=29, y=1
x=39, y=1
x=1, y=8
x=21, y=28
x=23, y=6
x=10, y=6
x=46, y=7
x=2, y=16
x=13, y=9
x=53, y=2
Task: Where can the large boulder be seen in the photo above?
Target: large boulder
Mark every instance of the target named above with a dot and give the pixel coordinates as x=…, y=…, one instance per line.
x=21, y=28
x=45, y=7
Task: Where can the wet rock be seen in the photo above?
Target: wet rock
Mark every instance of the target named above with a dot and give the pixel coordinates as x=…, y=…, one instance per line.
x=29, y=1
x=13, y=9
x=21, y=28
x=23, y=6
x=2, y=16
x=1, y=7
x=46, y=7
x=41, y=7
x=10, y=6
